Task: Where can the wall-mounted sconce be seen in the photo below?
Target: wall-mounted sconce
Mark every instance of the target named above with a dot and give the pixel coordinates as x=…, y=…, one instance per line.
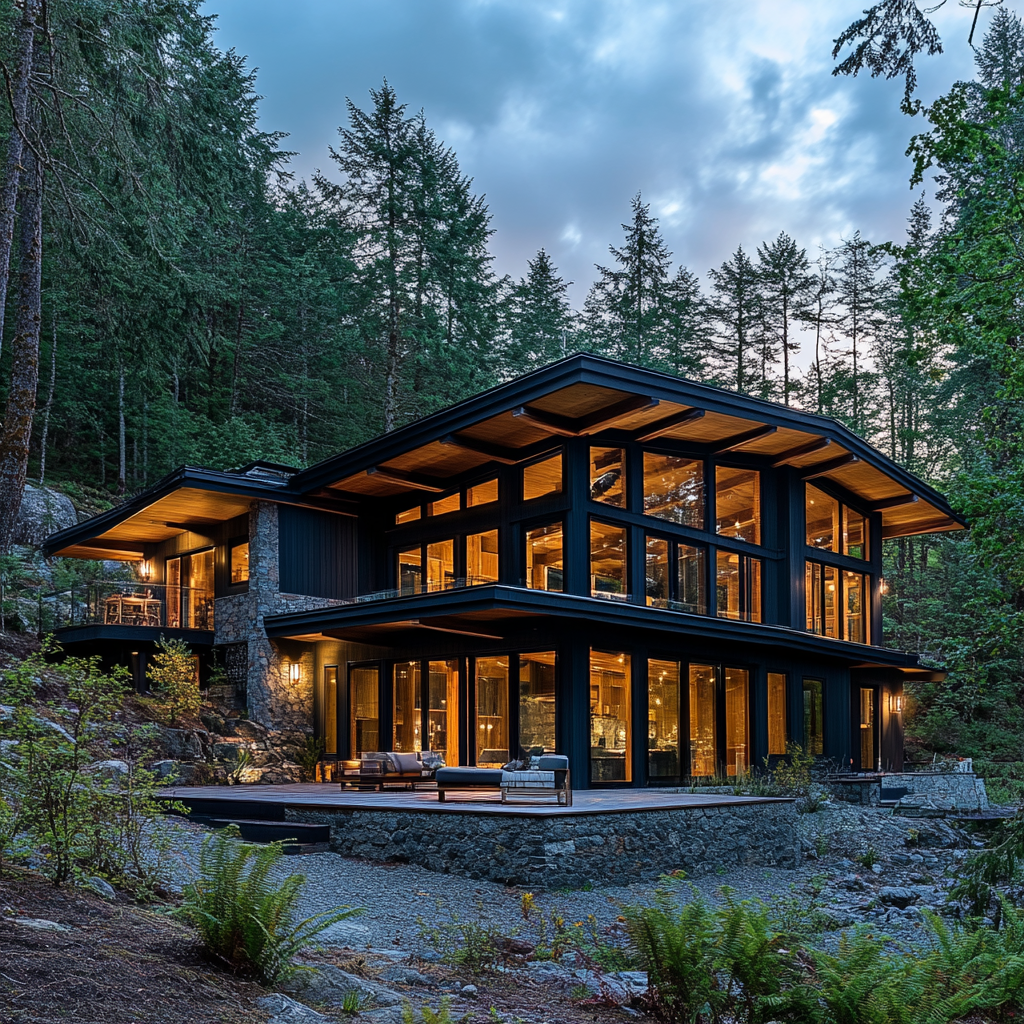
x=146, y=570
x=895, y=703
x=883, y=587
x=293, y=671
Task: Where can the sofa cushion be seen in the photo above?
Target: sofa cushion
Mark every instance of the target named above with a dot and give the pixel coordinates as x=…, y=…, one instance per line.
x=528, y=780
x=485, y=778
x=553, y=762
x=404, y=762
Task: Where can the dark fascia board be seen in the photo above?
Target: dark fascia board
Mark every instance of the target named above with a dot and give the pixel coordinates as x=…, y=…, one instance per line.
x=587, y=609
x=185, y=476
x=589, y=369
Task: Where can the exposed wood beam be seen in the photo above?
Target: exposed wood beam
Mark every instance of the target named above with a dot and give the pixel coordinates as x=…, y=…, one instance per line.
x=413, y=480
x=739, y=440
x=112, y=545
x=610, y=415
x=786, y=457
x=589, y=424
x=824, y=468
x=896, y=502
x=669, y=423
x=492, y=451
x=452, y=629
x=546, y=421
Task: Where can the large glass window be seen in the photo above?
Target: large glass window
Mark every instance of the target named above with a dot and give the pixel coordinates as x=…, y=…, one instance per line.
x=691, y=593
x=452, y=503
x=868, y=759
x=737, y=738
x=441, y=565
x=855, y=619
x=776, y=713
x=703, y=746
x=544, y=477
x=544, y=557
x=738, y=503
x=407, y=709
x=364, y=716
x=814, y=717
x=822, y=519
x=410, y=571
x=173, y=577
x=492, y=725
x=674, y=489
x=611, y=720
x=537, y=703
x=608, y=476
x=855, y=534
x=443, y=709
x=482, y=493
x=239, y=563
x=200, y=598
x=329, y=703
x=738, y=586
x=482, y=557
x=608, y=576
x=664, y=750
x=657, y=572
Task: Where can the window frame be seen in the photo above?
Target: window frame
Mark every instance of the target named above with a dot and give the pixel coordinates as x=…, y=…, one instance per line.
x=460, y=563
x=838, y=557
x=673, y=600
x=242, y=585
x=841, y=571
x=540, y=524
x=745, y=589
x=626, y=594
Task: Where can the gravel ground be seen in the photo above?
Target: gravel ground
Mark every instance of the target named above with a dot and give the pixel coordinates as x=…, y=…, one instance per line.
x=395, y=897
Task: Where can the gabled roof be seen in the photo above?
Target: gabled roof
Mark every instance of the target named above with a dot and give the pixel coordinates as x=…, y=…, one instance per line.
x=585, y=394
x=578, y=396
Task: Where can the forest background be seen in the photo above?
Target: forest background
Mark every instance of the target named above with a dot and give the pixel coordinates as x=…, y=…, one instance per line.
x=177, y=297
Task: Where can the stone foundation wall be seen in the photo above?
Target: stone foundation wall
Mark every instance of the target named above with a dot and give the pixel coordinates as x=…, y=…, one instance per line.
x=572, y=849
x=274, y=700
x=949, y=791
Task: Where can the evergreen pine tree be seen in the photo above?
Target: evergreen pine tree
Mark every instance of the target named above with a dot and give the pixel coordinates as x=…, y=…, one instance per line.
x=538, y=321
x=736, y=306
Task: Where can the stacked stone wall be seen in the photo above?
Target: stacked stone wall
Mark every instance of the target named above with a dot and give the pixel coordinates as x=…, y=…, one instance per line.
x=273, y=698
x=569, y=849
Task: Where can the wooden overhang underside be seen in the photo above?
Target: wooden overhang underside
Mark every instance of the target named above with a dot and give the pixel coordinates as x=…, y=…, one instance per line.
x=528, y=429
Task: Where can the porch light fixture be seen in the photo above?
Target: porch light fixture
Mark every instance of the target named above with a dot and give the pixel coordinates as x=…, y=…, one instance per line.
x=883, y=587
x=895, y=703
x=145, y=570
x=293, y=671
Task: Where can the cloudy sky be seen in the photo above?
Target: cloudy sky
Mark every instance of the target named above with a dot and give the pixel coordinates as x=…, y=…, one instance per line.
x=724, y=115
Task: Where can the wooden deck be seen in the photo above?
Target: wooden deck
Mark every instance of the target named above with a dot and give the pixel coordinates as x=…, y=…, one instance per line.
x=328, y=797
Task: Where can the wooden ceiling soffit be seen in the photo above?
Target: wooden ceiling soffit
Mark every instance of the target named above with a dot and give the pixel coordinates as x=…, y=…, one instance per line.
x=817, y=445
x=887, y=503
x=602, y=419
x=100, y=550
x=442, y=625
x=413, y=480
x=914, y=528
x=824, y=468
x=730, y=444
x=494, y=452
x=663, y=426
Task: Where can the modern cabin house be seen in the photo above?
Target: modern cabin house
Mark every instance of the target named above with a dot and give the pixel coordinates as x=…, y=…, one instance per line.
x=658, y=578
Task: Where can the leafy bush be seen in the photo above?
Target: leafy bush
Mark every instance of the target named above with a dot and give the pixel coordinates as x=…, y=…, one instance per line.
x=308, y=757
x=984, y=873
x=475, y=945
x=244, y=917
x=77, y=819
x=174, y=678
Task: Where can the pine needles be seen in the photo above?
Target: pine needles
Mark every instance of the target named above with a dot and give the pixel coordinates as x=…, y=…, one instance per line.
x=246, y=917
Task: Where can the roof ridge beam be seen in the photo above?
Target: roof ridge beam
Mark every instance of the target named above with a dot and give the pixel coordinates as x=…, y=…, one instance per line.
x=589, y=424
x=895, y=502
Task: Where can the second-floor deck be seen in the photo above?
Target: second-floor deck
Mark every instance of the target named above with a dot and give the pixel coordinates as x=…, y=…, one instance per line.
x=148, y=606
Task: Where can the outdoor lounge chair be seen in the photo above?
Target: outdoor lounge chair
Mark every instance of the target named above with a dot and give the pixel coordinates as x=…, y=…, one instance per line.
x=392, y=768
x=550, y=778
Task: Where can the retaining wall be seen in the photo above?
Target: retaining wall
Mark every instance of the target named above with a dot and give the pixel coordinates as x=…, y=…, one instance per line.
x=571, y=849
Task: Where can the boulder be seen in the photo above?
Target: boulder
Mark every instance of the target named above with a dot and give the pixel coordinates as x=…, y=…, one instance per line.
x=38, y=924
x=331, y=985
x=181, y=744
x=897, y=896
x=112, y=771
x=42, y=512
x=343, y=933
x=283, y=1010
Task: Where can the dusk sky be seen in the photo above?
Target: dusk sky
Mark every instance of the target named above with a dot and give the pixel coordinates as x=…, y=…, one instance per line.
x=724, y=116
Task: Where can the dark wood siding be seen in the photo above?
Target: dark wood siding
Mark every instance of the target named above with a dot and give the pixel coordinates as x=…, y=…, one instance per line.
x=317, y=553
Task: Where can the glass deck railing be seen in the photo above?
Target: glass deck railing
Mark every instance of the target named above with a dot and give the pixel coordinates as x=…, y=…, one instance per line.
x=128, y=604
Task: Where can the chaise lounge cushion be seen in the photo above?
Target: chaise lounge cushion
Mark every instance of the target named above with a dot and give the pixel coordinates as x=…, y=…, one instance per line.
x=406, y=763
x=469, y=778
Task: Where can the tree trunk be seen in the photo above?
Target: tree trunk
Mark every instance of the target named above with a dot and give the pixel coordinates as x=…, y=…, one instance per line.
x=21, y=397
x=120, y=431
x=49, y=405
x=18, y=102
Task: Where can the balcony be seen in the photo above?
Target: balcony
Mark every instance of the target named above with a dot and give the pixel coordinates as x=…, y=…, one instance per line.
x=133, y=605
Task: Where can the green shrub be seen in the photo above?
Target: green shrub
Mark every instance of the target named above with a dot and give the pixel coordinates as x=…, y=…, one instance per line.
x=244, y=917
x=442, y=1015
x=475, y=945
x=983, y=874
x=175, y=680
x=308, y=757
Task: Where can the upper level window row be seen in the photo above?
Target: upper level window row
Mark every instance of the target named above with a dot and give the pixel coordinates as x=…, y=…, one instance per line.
x=674, y=490
x=833, y=526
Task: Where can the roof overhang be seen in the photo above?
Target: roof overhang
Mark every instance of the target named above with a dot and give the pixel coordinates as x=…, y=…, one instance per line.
x=585, y=395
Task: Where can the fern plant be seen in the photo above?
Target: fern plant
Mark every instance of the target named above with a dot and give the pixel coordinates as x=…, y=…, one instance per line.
x=245, y=917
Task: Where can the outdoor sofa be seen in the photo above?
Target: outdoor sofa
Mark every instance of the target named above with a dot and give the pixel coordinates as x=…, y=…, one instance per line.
x=547, y=777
